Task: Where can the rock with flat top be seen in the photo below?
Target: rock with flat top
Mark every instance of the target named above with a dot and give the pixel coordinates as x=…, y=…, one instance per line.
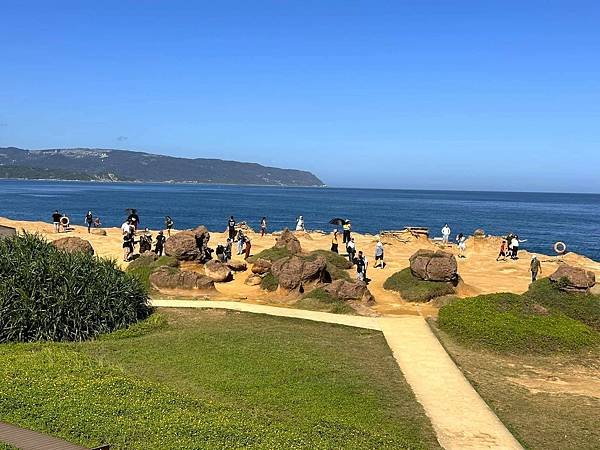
x=173, y=278
x=432, y=265
x=570, y=278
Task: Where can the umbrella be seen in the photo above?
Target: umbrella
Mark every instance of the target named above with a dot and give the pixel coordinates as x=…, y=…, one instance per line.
x=338, y=221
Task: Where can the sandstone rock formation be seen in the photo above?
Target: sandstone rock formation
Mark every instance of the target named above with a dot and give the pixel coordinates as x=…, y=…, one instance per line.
x=431, y=265
x=253, y=280
x=346, y=290
x=172, y=278
x=73, y=244
x=261, y=266
x=294, y=272
x=189, y=245
x=288, y=240
x=571, y=278
x=218, y=271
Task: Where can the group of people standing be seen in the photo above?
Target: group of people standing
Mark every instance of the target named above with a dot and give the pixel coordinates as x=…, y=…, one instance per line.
x=129, y=228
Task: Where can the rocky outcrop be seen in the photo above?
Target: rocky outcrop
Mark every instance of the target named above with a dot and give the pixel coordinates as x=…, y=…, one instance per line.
x=346, y=290
x=172, y=278
x=570, y=278
x=73, y=244
x=253, y=280
x=261, y=266
x=98, y=231
x=294, y=272
x=288, y=240
x=218, y=271
x=431, y=265
x=479, y=233
x=237, y=266
x=189, y=245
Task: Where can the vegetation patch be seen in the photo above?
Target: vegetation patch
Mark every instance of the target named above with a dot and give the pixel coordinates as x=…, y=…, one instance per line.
x=509, y=322
x=142, y=267
x=269, y=282
x=320, y=300
x=271, y=254
x=214, y=379
x=584, y=307
x=48, y=294
x=413, y=289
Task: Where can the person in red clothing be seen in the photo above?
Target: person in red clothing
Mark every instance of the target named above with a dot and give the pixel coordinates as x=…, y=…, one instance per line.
x=502, y=253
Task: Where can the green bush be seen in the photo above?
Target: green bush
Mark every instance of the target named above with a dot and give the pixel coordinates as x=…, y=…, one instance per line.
x=584, y=307
x=506, y=322
x=413, y=289
x=271, y=254
x=320, y=300
x=49, y=294
x=269, y=282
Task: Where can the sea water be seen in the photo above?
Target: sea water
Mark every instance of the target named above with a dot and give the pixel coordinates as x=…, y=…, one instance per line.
x=540, y=218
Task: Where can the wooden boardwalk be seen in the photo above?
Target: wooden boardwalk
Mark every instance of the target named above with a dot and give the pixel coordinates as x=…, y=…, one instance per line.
x=32, y=440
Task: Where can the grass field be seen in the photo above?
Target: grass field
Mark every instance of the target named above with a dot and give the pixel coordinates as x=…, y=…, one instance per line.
x=548, y=402
x=413, y=289
x=215, y=379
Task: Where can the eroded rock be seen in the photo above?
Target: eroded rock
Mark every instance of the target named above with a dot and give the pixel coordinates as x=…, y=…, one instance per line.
x=432, y=265
x=73, y=244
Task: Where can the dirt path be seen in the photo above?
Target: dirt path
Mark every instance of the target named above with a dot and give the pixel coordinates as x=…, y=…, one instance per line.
x=461, y=419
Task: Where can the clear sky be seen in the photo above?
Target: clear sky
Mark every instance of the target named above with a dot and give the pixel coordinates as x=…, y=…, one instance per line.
x=499, y=95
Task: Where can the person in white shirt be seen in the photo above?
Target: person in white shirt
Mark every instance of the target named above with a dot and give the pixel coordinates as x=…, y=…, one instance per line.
x=351, y=250
x=462, y=245
x=300, y=224
x=379, y=255
x=446, y=233
x=126, y=227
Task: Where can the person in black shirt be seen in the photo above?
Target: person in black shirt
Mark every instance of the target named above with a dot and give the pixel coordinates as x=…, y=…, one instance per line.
x=160, y=243
x=231, y=227
x=128, y=241
x=56, y=221
x=89, y=220
x=134, y=218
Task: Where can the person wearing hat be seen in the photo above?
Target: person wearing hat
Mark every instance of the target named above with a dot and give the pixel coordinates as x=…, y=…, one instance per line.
x=160, y=243
x=334, y=241
x=536, y=267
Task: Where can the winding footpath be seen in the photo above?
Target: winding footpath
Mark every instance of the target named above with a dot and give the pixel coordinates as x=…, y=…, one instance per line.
x=460, y=418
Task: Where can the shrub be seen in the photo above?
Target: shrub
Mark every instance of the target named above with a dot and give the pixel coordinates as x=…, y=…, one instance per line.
x=506, y=322
x=269, y=282
x=413, y=289
x=48, y=294
x=581, y=306
x=320, y=300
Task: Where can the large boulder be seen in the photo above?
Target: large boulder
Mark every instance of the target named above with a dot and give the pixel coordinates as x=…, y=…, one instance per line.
x=217, y=271
x=237, y=266
x=288, y=240
x=432, y=265
x=347, y=290
x=261, y=266
x=571, y=278
x=173, y=278
x=189, y=245
x=294, y=272
x=73, y=244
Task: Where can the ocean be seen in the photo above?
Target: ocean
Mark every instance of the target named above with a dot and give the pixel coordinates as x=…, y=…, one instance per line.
x=540, y=218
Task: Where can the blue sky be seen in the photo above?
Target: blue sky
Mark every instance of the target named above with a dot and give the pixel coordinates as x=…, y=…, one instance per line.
x=497, y=95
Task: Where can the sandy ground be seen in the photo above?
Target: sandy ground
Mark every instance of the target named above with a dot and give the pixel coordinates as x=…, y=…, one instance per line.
x=479, y=270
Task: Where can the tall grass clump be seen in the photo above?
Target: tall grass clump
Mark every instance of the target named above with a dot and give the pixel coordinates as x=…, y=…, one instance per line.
x=49, y=294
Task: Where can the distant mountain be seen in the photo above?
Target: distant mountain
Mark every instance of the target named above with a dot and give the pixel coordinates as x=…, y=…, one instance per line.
x=122, y=165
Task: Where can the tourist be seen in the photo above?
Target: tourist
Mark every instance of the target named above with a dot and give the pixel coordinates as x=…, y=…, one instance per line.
x=536, y=267
x=97, y=223
x=514, y=244
x=228, y=250
x=334, y=241
x=145, y=241
x=300, y=223
x=160, y=243
x=346, y=227
x=128, y=242
x=220, y=252
x=351, y=250
x=247, y=249
x=446, y=233
x=56, y=216
x=503, y=250
x=241, y=240
x=263, y=226
x=379, y=255
x=126, y=227
x=361, y=267
x=231, y=227
x=89, y=220
x=134, y=219
x=169, y=224
x=462, y=245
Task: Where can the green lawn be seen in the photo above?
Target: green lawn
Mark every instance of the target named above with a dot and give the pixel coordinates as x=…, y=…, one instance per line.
x=214, y=379
x=415, y=290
